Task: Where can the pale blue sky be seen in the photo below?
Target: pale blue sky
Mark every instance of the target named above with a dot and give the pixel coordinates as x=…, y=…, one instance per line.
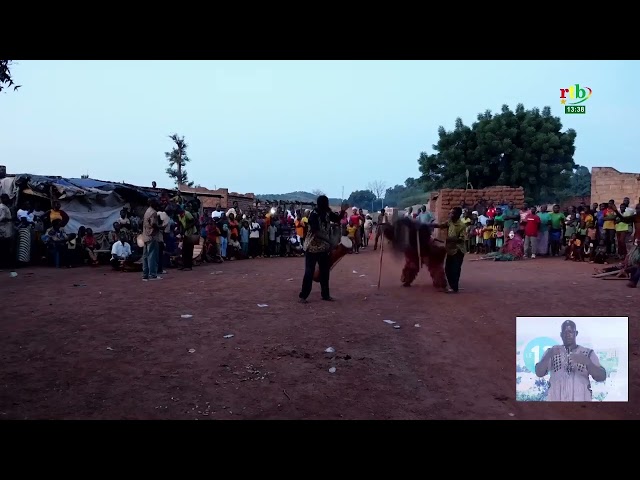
x=280, y=126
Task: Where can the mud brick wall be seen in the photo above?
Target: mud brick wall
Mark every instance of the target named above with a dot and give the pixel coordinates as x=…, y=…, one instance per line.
x=245, y=201
x=449, y=198
x=574, y=202
x=608, y=183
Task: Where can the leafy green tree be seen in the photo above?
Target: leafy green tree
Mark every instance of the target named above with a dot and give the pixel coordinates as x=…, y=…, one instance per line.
x=6, y=80
x=579, y=184
x=513, y=148
x=362, y=198
x=178, y=160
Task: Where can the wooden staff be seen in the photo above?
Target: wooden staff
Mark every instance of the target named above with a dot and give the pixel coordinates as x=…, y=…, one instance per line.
x=419, y=255
x=380, y=268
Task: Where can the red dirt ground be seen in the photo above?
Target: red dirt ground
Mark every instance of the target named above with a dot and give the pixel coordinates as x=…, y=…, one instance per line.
x=118, y=349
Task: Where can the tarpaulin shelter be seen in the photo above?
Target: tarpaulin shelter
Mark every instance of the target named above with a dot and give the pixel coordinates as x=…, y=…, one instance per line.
x=91, y=203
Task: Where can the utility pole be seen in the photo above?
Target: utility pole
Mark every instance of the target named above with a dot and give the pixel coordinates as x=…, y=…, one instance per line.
x=343, y=193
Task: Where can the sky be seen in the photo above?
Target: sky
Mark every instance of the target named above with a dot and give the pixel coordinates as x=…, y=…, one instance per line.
x=597, y=332
x=282, y=126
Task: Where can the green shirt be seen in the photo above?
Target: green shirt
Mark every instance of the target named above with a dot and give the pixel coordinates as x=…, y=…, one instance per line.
x=544, y=221
x=508, y=224
x=557, y=220
x=185, y=221
x=456, y=230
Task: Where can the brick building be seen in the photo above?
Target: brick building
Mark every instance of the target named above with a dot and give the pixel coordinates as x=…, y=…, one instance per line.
x=210, y=199
x=608, y=183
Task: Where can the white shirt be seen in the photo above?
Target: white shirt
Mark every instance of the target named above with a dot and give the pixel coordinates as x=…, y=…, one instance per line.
x=165, y=221
x=255, y=233
x=483, y=220
x=121, y=250
x=25, y=214
x=216, y=214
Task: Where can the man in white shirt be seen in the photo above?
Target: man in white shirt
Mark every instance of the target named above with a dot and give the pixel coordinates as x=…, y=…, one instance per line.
x=217, y=213
x=121, y=253
x=25, y=212
x=254, y=238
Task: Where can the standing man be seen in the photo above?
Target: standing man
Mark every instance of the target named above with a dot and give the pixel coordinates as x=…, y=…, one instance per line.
x=570, y=365
x=188, y=229
x=317, y=247
x=543, y=231
x=511, y=216
x=382, y=219
x=164, y=224
x=425, y=217
x=531, y=230
x=455, y=245
x=150, y=234
x=6, y=233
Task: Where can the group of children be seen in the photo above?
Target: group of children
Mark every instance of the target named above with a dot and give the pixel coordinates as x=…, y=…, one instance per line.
x=485, y=239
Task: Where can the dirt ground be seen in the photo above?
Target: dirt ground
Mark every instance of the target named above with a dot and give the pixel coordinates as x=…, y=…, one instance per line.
x=113, y=347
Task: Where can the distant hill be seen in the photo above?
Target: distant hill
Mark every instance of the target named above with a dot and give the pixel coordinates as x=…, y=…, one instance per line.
x=296, y=197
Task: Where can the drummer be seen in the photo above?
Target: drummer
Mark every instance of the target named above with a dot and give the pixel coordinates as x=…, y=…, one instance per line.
x=317, y=246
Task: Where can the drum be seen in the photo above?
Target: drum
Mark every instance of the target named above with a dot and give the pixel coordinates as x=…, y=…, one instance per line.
x=140, y=241
x=343, y=247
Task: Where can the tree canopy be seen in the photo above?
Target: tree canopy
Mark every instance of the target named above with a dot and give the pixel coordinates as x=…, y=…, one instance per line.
x=362, y=198
x=178, y=160
x=6, y=80
x=521, y=148
x=412, y=192
x=579, y=184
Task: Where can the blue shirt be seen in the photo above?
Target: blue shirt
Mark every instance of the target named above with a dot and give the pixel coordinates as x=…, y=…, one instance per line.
x=244, y=235
x=600, y=217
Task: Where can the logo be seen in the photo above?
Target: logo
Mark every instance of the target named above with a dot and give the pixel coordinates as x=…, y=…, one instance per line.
x=573, y=96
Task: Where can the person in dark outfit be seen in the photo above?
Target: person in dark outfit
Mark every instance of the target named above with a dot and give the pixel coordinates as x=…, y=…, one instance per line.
x=317, y=247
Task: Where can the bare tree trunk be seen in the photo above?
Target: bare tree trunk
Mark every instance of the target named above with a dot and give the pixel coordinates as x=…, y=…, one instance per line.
x=179, y=168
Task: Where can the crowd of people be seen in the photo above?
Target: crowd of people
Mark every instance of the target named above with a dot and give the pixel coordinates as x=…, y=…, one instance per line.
x=168, y=234
x=599, y=234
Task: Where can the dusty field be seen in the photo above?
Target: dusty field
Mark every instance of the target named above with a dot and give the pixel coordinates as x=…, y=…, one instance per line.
x=116, y=348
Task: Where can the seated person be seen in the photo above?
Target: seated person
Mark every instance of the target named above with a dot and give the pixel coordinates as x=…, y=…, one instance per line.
x=89, y=244
x=59, y=244
x=575, y=249
x=124, y=220
x=121, y=255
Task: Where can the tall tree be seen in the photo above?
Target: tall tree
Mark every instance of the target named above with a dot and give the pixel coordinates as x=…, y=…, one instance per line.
x=317, y=192
x=6, y=80
x=362, y=198
x=513, y=148
x=579, y=185
x=378, y=187
x=413, y=191
x=178, y=160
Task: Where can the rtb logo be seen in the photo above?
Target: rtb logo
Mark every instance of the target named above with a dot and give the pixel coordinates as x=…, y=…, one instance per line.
x=575, y=95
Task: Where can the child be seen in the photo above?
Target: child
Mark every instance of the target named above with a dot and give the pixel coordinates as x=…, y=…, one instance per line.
x=471, y=238
x=234, y=249
x=574, y=249
x=569, y=230
x=600, y=254
x=244, y=239
x=499, y=237
x=351, y=233
x=89, y=243
x=592, y=232
x=488, y=235
x=479, y=238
